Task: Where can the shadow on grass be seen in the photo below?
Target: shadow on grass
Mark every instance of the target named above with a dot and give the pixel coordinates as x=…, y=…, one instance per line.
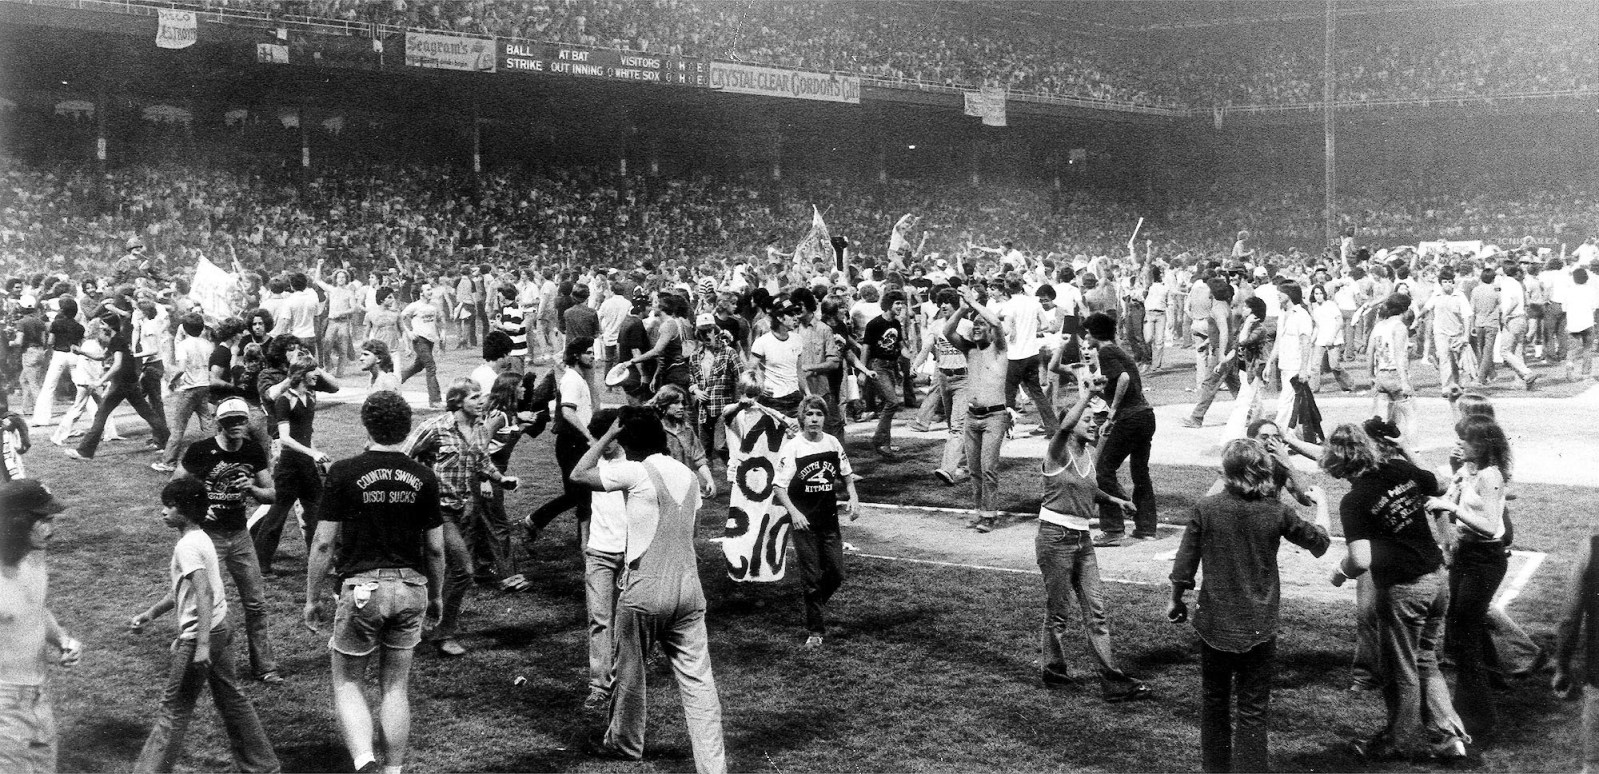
x=102, y=744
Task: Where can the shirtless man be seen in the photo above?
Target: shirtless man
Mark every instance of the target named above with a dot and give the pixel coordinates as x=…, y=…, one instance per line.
x=30, y=638
x=987, y=419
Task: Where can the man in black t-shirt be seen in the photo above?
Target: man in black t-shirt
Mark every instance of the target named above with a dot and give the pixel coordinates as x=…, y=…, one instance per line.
x=382, y=534
x=1390, y=533
x=885, y=345
x=122, y=380
x=234, y=469
x=1128, y=434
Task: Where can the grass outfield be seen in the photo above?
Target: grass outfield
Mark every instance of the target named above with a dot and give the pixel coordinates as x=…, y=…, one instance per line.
x=925, y=668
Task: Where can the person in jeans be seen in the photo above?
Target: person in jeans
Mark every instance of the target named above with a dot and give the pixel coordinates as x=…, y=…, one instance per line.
x=885, y=345
x=661, y=599
x=811, y=468
x=382, y=537
x=121, y=379
x=1128, y=434
x=453, y=445
x=1579, y=631
x=419, y=323
x=1023, y=318
x=30, y=638
x=949, y=380
x=1476, y=502
x=575, y=410
x=987, y=420
x=1389, y=534
x=1235, y=535
x=191, y=389
x=233, y=467
x=1066, y=555
x=602, y=568
x=200, y=655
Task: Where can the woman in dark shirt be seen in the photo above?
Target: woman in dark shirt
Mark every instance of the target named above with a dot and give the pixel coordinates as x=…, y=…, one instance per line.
x=298, y=474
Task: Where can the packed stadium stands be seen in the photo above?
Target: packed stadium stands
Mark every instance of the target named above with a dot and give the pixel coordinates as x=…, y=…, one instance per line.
x=1407, y=53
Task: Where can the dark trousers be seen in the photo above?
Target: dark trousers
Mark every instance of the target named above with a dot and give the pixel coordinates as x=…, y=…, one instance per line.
x=297, y=479
x=1214, y=381
x=1130, y=439
x=1474, y=576
x=424, y=362
x=151, y=373
x=247, y=739
x=1224, y=676
x=569, y=448
x=115, y=395
x=1020, y=374
x=821, y=561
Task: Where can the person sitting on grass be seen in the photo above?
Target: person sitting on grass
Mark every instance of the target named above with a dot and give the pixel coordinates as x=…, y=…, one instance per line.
x=382, y=537
x=201, y=655
x=1235, y=534
x=811, y=469
x=1066, y=552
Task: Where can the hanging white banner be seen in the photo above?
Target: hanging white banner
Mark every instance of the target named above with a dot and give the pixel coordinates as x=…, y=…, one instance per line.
x=178, y=29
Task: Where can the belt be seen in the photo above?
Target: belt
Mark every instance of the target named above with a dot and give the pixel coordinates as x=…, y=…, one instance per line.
x=953, y=371
x=983, y=411
x=22, y=692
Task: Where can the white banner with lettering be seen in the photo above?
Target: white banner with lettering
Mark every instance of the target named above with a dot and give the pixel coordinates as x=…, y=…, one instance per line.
x=178, y=29
x=449, y=52
x=737, y=78
x=987, y=104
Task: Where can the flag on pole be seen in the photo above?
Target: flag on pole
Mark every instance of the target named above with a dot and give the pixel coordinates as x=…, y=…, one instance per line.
x=212, y=289
x=817, y=244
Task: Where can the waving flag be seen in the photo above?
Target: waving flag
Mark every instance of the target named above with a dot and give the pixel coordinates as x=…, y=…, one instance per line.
x=817, y=244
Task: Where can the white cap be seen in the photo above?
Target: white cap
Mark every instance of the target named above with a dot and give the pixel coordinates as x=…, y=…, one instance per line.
x=233, y=407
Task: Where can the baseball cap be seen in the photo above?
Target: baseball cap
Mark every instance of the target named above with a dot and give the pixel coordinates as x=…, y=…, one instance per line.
x=233, y=407
x=28, y=302
x=704, y=320
x=26, y=495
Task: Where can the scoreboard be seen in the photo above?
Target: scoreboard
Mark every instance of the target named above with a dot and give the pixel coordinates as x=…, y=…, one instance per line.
x=517, y=56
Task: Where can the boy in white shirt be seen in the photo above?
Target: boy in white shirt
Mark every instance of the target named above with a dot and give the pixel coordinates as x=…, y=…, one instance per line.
x=202, y=650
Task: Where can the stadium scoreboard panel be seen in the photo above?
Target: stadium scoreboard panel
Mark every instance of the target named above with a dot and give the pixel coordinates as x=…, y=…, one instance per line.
x=519, y=56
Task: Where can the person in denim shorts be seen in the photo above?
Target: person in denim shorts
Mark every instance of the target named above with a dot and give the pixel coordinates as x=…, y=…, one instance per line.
x=383, y=537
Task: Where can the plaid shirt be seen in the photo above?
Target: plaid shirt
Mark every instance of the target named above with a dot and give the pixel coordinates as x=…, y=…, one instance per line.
x=718, y=382
x=456, y=458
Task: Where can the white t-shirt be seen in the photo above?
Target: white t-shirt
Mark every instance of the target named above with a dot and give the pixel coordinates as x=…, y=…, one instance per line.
x=1579, y=302
x=1068, y=298
x=612, y=312
x=424, y=319
x=1294, y=323
x=608, y=526
x=195, y=552
x=1155, y=299
x=575, y=393
x=1329, y=321
x=1390, y=342
x=642, y=512
x=1269, y=293
x=1023, y=313
x=781, y=362
x=1512, y=298
x=484, y=375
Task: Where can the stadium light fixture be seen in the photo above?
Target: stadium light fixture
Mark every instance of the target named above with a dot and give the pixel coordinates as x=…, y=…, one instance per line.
x=911, y=147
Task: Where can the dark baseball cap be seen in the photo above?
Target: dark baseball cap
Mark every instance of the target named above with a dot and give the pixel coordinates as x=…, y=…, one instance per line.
x=26, y=495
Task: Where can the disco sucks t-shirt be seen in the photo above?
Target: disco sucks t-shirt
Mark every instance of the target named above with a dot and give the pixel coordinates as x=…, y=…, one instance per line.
x=227, y=475
x=1388, y=507
x=385, y=502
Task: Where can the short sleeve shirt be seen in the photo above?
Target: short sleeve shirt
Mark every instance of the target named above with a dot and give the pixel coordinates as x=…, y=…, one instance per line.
x=386, y=502
x=1114, y=362
x=1389, y=508
x=883, y=337
x=227, y=476
x=196, y=554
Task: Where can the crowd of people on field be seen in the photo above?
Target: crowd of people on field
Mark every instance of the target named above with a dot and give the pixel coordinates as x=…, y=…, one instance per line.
x=65, y=219
x=663, y=380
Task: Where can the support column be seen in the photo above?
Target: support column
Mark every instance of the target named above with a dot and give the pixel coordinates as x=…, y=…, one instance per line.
x=477, y=142
x=305, y=141
x=882, y=162
x=975, y=155
x=655, y=155
x=102, y=105
x=777, y=156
